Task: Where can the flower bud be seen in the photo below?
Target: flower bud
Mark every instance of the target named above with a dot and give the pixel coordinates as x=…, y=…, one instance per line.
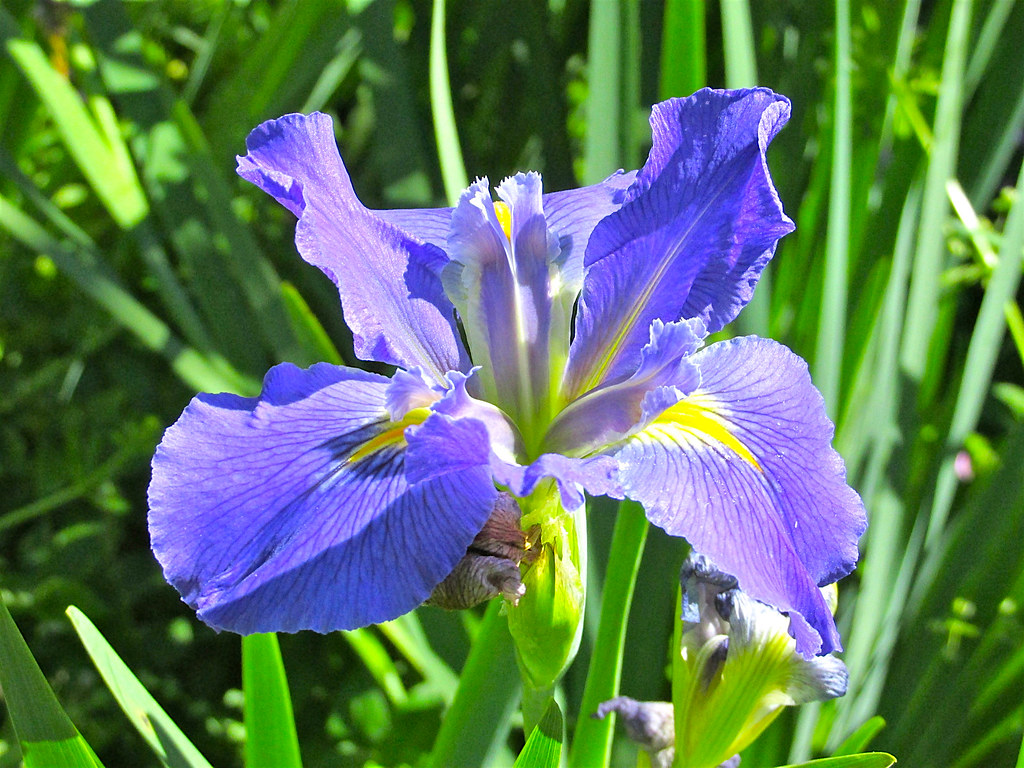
x=737, y=667
x=547, y=622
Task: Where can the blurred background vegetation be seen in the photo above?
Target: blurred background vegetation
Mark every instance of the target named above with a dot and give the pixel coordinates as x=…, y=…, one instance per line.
x=136, y=269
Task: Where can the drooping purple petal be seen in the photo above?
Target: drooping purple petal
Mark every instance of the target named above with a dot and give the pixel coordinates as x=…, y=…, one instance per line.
x=743, y=467
x=700, y=223
x=296, y=509
x=388, y=279
x=608, y=414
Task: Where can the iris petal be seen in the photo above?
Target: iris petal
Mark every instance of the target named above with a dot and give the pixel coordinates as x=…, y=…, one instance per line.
x=572, y=214
x=499, y=280
x=610, y=413
x=304, y=509
x=388, y=279
x=699, y=225
x=744, y=469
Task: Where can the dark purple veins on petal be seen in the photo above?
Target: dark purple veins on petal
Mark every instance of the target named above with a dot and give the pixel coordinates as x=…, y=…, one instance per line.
x=279, y=513
x=698, y=226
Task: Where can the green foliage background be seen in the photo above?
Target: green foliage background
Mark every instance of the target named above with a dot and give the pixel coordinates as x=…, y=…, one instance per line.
x=136, y=269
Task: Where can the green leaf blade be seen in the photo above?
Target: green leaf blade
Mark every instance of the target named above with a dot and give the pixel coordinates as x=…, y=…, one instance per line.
x=170, y=745
x=271, y=740
x=544, y=747
x=46, y=734
x=865, y=760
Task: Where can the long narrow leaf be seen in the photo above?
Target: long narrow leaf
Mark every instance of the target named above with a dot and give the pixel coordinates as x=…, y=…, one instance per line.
x=46, y=734
x=168, y=743
x=828, y=356
x=683, y=50
x=922, y=308
x=270, y=738
x=453, y=169
x=603, y=149
x=544, y=747
x=100, y=155
x=476, y=725
x=593, y=738
x=981, y=360
x=867, y=760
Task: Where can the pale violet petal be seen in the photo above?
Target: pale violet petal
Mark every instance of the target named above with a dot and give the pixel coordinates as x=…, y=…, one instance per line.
x=387, y=278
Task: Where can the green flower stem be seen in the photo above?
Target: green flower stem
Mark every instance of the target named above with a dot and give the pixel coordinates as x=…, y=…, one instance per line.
x=593, y=740
x=476, y=725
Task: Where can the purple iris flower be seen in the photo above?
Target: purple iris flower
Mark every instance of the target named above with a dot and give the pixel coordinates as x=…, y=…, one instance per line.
x=541, y=336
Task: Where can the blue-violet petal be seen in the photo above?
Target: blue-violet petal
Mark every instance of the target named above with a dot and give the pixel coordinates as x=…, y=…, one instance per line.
x=743, y=467
x=699, y=225
x=388, y=278
x=298, y=509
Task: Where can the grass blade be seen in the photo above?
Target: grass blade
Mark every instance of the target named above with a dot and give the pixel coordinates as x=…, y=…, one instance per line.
x=922, y=308
x=100, y=154
x=592, y=740
x=311, y=336
x=867, y=760
x=979, y=365
x=374, y=655
x=602, y=145
x=168, y=743
x=453, y=169
x=740, y=51
x=828, y=357
x=476, y=725
x=544, y=747
x=683, y=49
x=46, y=734
x=407, y=635
x=270, y=738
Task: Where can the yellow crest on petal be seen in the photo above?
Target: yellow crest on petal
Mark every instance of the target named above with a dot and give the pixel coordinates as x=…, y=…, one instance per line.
x=696, y=417
x=393, y=435
x=504, y=214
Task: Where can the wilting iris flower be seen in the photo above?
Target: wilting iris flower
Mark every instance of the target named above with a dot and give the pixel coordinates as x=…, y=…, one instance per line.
x=538, y=338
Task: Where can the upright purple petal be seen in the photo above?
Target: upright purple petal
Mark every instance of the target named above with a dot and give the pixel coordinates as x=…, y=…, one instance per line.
x=608, y=414
x=743, y=467
x=572, y=215
x=427, y=224
x=499, y=281
x=699, y=225
x=388, y=279
x=304, y=509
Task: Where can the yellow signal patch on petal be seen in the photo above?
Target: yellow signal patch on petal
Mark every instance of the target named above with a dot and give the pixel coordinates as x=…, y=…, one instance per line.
x=696, y=416
x=393, y=435
x=504, y=214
